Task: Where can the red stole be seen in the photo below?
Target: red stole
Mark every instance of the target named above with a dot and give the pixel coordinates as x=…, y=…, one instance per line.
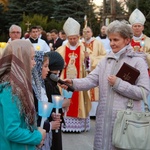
x=73, y=108
x=136, y=44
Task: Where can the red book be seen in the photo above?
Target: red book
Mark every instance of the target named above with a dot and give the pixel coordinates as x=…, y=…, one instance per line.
x=128, y=73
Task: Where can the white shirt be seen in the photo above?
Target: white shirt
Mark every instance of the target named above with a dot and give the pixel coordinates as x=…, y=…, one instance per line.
x=41, y=46
x=106, y=43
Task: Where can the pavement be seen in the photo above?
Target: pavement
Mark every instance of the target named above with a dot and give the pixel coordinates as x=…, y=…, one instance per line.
x=79, y=141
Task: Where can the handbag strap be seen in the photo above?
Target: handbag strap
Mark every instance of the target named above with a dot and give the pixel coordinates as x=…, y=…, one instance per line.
x=130, y=104
x=145, y=100
x=130, y=101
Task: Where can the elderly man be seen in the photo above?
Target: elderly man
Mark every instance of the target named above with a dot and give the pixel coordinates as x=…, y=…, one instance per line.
x=77, y=118
x=14, y=32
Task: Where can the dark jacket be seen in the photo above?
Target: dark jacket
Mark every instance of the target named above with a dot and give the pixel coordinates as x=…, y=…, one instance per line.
x=57, y=44
x=52, y=89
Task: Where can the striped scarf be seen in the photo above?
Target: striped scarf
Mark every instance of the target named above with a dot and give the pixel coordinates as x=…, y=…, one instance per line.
x=15, y=69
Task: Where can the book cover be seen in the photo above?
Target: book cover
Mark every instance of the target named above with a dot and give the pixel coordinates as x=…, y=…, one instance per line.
x=128, y=73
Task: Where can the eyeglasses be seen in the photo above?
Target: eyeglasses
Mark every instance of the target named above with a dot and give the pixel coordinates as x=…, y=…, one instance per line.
x=17, y=32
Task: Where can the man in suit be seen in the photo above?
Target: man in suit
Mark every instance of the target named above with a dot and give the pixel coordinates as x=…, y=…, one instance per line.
x=56, y=40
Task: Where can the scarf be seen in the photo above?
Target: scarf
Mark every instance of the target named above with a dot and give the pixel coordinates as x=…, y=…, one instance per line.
x=118, y=54
x=15, y=69
x=36, y=84
x=39, y=56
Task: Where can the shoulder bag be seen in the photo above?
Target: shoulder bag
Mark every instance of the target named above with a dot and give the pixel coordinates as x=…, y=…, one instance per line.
x=131, y=129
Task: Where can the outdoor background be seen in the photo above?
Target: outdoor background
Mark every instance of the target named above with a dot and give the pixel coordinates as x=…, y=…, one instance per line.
x=52, y=14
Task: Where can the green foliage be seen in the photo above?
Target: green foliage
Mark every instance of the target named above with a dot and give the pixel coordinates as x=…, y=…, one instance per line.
x=49, y=14
x=42, y=21
x=44, y=7
x=3, y=29
x=76, y=9
x=53, y=24
x=64, y=9
x=14, y=14
x=16, y=9
x=34, y=20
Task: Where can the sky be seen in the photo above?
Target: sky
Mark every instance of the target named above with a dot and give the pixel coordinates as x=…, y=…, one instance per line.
x=98, y=2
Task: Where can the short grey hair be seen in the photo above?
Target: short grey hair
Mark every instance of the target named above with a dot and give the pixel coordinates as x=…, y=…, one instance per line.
x=14, y=26
x=120, y=27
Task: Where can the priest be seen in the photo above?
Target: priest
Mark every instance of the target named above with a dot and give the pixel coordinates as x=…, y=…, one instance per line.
x=140, y=42
x=77, y=118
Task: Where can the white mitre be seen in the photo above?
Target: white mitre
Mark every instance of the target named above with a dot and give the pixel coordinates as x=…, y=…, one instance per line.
x=137, y=17
x=71, y=27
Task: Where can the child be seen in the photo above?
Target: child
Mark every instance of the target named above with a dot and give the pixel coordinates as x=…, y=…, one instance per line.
x=17, y=112
x=56, y=64
x=39, y=73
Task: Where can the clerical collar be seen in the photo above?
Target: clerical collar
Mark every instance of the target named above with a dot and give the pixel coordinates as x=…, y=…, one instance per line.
x=103, y=36
x=138, y=38
x=88, y=41
x=118, y=54
x=33, y=40
x=73, y=47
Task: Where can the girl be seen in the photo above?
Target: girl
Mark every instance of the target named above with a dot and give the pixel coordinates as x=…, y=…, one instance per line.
x=39, y=73
x=17, y=113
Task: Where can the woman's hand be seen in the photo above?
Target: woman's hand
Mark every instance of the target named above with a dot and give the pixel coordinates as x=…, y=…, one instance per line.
x=43, y=132
x=112, y=80
x=68, y=81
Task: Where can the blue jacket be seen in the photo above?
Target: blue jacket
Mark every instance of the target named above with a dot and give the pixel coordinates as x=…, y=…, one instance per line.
x=14, y=133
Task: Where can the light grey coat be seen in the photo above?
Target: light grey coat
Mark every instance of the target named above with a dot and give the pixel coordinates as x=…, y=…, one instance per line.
x=116, y=97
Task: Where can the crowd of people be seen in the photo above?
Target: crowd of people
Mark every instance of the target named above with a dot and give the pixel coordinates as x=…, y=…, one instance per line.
x=89, y=64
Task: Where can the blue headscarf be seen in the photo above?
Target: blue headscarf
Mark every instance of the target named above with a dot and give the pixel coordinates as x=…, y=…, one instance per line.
x=39, y=56
x=37, y=80
x=36, y=84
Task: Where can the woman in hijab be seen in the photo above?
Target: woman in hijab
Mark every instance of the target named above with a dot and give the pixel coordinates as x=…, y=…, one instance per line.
x=18, y=128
